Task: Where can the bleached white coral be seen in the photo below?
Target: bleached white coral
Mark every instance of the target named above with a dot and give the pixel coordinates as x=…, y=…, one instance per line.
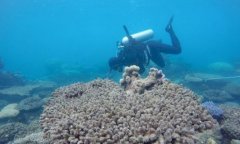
x=9, y=111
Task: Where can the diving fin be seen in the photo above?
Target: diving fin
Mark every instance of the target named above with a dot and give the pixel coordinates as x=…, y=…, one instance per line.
x=170, y=20
x=169, y=25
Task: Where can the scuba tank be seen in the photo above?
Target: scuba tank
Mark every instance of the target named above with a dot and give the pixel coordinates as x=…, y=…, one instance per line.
x=139, y=37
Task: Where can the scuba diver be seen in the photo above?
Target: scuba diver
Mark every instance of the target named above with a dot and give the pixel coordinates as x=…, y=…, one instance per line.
x=134, y=51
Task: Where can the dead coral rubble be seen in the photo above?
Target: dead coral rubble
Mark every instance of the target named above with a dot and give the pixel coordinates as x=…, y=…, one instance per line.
x=105, y=113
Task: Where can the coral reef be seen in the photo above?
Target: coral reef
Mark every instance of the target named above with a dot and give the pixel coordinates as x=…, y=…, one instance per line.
x=235, y=142
x=73, y=90
x=216, y=95
x=63, y=73
x=211, y=141
x=105, y=113
x=3, y=103
x=10, y=131
x=9, y=111
x=221, y=67
x=18, y=90
x=30, y=103
x=213, y=109
x=15, y=94
x=203, y=81
x=33, y=138
x=232, y=104
x=210, y=136
x=8, y=79
x=132, y=82
x=231, y=123
x=26, y=90
x=233, y=88
x=201, y=77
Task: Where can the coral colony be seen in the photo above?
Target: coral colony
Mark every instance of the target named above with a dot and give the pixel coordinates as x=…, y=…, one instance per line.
x=149, y=110
x=213, y=109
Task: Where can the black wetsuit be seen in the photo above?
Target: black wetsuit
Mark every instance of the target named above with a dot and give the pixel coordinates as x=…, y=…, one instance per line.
x=140, y=53
x=156, y=48
x=134, y=55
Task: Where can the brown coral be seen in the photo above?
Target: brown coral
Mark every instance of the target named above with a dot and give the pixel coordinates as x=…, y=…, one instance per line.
x=104, y=113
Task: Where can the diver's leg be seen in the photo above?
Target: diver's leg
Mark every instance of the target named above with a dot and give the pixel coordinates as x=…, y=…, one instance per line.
x=175, y=48
x=156, y=56
x=175, y=42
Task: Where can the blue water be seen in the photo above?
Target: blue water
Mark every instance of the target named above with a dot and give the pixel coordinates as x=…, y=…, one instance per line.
x=65, y=41
x=34, y=33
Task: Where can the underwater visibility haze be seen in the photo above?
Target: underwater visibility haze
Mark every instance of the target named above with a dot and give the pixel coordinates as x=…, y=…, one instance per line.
x=47, y=44
x=33, y=33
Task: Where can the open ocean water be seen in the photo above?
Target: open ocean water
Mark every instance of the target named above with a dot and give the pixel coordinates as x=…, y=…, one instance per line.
x=46, y=44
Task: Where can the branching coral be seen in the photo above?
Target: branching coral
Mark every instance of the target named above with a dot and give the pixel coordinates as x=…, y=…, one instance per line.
x=104, y=113
x=132, y=82
x=213, y=109
x=73, y=90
